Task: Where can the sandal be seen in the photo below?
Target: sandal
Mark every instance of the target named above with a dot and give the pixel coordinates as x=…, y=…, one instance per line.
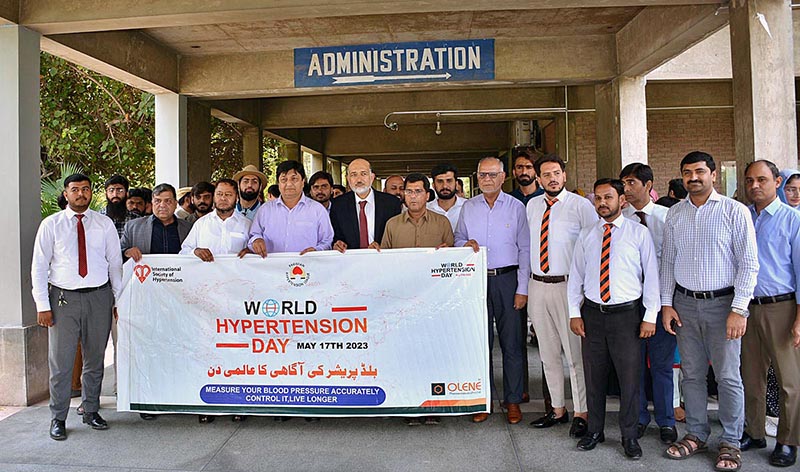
x=728, y=453
x=684, y=448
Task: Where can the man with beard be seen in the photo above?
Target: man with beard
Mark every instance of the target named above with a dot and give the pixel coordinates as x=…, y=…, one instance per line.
x=394, y=185
x=136, y=203
x=76, y=274
x=566, y=214
x=202, y=200
x=709, y=268
x=359, y=217
x=321, y=184
x=185, y=207
x=498, y=222
x=614, y=273
x=525, y=176
x=251, y=183
x=116, y=207
x=447, y=203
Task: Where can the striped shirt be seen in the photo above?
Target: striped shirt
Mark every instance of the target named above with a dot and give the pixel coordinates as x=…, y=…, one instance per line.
x=709, y=248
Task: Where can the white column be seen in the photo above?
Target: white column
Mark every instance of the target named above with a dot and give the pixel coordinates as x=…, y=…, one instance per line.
x=171, y=143
x=23, y=344
x=621, y=113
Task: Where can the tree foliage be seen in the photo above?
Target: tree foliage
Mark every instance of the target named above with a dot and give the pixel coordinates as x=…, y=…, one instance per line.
x=96, y=123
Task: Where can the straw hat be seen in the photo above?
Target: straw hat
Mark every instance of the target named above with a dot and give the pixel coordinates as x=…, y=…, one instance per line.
x=183, y=191
x=251, y=170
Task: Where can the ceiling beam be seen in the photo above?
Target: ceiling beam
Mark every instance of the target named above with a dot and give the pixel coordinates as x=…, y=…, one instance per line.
x=416, y=139
x=529, y=61
x=73, y=16
x=9, y=11
x=658, y=34
x=131, y=57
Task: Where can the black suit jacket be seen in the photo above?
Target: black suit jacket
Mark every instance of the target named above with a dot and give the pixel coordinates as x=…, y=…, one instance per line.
x=344, y=217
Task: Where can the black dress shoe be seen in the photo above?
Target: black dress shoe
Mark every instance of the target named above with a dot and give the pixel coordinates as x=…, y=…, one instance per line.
x=747, y=443
x=238, y=418
x=58, y=430
x=640, y=429
x=632, y=448
x=579, y=427
x=783, y=455
x=549, y=420
x=668, y=434
x=205, y=419
x=95, y=420
x=590, y=440
x=147, y=416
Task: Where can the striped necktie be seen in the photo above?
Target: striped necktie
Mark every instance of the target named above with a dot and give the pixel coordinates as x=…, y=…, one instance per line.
x=544, y=262
x=605, y=265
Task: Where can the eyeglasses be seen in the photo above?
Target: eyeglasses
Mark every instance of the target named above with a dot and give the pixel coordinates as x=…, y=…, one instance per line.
x=416, y=192
x=115, y=190
x=792, y=190
x=166, y=201
x=491, y=175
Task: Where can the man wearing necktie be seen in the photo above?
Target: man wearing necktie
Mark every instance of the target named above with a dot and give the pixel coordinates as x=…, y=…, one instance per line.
x=614, y=272
x=555, y=220
x=76, y=275
x=658, y=352
x=359, y=217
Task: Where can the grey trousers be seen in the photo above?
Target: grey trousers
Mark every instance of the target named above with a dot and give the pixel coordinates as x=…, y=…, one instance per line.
x=703, y=339
x=84, y=317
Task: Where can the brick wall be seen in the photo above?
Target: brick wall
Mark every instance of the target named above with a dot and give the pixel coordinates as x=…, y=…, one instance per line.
x=671, y=135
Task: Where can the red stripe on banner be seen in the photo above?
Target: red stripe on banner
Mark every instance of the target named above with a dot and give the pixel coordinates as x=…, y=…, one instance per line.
x=234, y=345
x=339, y=309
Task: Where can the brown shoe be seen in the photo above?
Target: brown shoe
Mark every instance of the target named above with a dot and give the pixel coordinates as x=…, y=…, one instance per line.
x=514, y=414
x=480, y=417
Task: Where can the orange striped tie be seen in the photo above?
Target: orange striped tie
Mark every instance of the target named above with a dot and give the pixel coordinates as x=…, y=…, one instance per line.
x=544, y=263
x=605, y=269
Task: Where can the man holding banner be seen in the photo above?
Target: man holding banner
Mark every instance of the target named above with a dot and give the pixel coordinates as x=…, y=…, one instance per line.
x=292, y=222
x=498, y=221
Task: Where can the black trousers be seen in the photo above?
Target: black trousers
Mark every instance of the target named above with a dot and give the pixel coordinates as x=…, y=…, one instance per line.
x=612, y=339
x=500, y=304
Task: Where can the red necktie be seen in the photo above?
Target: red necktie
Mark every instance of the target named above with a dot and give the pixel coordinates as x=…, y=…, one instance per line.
x=605, y=265
x=362, y=225
x=544, y=263
x=82, y=266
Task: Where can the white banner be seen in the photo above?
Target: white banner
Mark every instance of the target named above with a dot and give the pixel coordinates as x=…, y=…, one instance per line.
x=400, y=332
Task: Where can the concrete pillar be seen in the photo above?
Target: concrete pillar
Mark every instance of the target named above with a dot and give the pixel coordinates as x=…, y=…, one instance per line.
x=251, y=147
x=23, y=344
x=290, y=152
x=171, y=142
x=621, y=115
x=198, y=142
x=763, y=83
x=335, y=168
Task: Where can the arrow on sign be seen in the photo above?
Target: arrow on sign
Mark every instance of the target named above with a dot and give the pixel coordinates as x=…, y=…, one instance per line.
x=367, y=79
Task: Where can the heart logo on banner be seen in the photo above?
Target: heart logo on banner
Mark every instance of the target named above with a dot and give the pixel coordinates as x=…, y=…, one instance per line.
x=141, y=272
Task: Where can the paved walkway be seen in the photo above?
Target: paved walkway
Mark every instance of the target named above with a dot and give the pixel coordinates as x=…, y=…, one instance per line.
x=180, y=443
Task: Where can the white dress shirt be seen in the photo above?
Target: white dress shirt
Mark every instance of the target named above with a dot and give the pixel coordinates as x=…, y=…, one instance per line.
x=452, y=214
x=369, y=209
x=219, y=236
x=633, y=268
x=55, y=255
x=568, y=217
x=709, y=248
x=654, y=216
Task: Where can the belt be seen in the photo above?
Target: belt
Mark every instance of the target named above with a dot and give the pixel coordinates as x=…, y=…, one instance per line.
x=704, y=295
x=83, y=290
x=612, y=308
x=549, y=279
x=501, y=270
x=775, y=299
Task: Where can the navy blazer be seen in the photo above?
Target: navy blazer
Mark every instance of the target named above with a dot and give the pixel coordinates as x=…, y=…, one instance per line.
x=344, y=217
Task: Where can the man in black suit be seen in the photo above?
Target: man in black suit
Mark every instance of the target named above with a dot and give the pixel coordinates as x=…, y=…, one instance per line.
x=359, y=217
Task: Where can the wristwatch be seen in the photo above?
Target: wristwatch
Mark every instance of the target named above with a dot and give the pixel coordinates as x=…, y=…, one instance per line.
x=740, y=312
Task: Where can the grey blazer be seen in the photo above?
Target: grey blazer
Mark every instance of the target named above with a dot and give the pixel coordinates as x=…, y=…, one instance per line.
x=139, y=232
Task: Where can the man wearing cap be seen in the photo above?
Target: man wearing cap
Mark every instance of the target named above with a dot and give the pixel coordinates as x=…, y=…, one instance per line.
x=185, y=207
x=251, y=183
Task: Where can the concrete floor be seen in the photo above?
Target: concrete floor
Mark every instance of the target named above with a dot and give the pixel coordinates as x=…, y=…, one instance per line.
x=180, y=443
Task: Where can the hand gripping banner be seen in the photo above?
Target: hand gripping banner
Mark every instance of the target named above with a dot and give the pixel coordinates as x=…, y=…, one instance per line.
x=397, y=332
